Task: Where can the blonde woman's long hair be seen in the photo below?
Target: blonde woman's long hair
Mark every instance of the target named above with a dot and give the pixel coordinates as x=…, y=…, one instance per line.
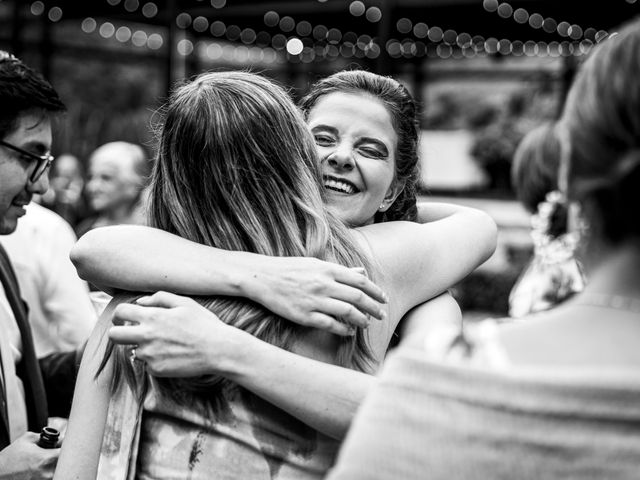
x=237, y=169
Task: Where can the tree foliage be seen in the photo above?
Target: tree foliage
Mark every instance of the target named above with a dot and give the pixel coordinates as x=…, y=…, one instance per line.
x=106, y=101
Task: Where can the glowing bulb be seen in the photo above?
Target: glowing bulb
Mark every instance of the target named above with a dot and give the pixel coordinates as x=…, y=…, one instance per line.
x=107, y=30
x=185, y=47
x=89, y=25
x=294, y=46
x=490, y=5
x=55, y=14
x=357, y=8
x=37, y=8
x=374, y=14
x=271, y=18
x=123, y=34
x=150, y=10
x=139, y=38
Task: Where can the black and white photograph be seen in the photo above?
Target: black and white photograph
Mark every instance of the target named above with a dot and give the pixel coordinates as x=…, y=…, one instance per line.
x=319, y=239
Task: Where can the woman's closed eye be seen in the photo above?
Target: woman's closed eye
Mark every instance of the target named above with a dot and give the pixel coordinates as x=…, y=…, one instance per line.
x=324, y=140
x=372, y=151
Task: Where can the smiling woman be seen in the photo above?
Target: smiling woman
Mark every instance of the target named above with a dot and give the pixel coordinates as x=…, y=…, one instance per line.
x=365, y=126
x=356, y=144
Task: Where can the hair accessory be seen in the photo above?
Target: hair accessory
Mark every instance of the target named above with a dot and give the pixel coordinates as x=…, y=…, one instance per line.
x=549, y=249
x=553, y=275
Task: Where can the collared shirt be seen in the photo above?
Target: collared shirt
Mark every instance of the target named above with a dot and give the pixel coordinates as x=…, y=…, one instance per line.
x=11, y=354
x=60, y=311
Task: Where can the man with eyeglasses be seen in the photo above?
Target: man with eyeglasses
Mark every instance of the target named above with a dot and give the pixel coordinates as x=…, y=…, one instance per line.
x=30, y=389
x=41, y=162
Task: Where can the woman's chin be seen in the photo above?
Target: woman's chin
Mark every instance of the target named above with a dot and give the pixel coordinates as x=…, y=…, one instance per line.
x=346, y=208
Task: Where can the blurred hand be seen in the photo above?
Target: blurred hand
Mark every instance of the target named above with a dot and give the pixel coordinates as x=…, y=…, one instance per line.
x=317, y=294
x=175, y=336
x=25, y=460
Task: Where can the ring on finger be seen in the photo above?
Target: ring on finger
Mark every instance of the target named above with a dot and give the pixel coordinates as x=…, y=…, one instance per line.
x=132, y=355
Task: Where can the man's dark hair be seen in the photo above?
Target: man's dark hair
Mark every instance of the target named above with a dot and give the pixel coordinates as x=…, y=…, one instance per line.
x=22, y=90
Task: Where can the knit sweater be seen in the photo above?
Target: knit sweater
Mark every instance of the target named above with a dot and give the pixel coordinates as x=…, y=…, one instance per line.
x=446, y=420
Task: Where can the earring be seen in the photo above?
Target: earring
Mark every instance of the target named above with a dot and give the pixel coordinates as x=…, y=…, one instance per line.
x=381, y=206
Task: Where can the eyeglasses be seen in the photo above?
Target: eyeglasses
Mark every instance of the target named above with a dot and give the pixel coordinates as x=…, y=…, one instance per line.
x=43, y=162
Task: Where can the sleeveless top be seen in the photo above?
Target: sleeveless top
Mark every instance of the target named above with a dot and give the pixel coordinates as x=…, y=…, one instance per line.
x=151, y=436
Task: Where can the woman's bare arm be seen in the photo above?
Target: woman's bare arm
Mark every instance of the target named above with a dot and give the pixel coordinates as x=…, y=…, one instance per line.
x=83, y=440
x=177, y=337
x=421, y=261
x=181, y=343
x=434, y=211
x=307, y=291
x=430, y=322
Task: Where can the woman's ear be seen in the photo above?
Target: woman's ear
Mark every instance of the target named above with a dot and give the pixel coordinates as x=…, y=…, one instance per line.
x=394, y=190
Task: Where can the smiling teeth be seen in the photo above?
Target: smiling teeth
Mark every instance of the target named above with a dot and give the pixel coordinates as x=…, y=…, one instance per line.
x=339, y=186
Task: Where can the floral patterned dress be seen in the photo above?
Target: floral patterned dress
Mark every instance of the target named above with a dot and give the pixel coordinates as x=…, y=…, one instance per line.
x=150, y=435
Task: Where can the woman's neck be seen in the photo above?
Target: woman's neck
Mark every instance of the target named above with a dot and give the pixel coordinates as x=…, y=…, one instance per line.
x=617, y=272
x=595, y=328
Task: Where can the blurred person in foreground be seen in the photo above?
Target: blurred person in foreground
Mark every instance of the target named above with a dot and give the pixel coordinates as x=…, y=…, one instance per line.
x=118, y=173
x=555, y=396
x=30, y=390
x=553, y=275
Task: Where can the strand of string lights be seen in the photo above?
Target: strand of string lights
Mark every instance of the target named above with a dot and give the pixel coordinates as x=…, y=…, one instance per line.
x=305, y=42
x=537, y=21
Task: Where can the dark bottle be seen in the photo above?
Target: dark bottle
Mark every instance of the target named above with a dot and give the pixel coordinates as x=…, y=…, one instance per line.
x=48, y=438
